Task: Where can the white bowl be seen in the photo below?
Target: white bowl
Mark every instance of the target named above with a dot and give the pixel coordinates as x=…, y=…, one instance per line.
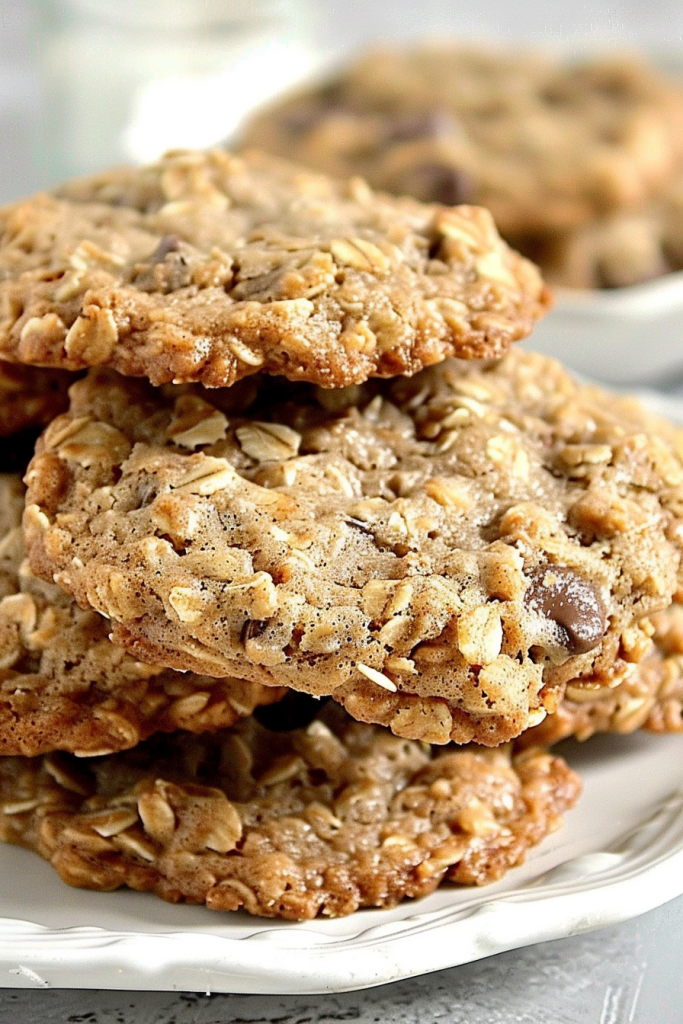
x=601, y=868
x=627, y=336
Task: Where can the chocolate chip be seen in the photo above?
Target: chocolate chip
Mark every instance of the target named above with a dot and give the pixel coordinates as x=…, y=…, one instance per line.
x=169, y=243
x=295, y=711
x=559, y=593
x=436, y=183
x=307, y=115
x=165, y=270
x=425, y=124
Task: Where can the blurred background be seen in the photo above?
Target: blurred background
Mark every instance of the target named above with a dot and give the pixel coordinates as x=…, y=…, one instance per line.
x=87, y=83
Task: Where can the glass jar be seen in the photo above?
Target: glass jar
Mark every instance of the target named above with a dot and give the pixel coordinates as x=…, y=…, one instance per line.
x=125, y=80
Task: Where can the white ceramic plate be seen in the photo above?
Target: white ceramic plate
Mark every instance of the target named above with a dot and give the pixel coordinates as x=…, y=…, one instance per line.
x=619, y=854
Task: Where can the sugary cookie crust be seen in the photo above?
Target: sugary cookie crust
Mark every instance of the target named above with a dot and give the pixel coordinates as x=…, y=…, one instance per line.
x=545, y=144
x=208, y=267
x=651, y=697
x=440, y=554
x=320, y=821
x=65, y=686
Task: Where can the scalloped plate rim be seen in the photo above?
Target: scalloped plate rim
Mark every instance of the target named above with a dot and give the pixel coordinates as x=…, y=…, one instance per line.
x=636, y=871
x=490, y=928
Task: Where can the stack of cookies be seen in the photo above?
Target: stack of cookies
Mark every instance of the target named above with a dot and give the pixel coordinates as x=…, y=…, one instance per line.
x=306, y=553
x=580, y=162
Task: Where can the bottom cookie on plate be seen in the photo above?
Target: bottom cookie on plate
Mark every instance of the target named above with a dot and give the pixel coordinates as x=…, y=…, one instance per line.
x=319, y=820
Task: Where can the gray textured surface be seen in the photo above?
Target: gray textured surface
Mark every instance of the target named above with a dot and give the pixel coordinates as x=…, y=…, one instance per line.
x=630, y=974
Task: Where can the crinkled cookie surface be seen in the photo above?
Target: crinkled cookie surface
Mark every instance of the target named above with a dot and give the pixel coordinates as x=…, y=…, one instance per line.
x=441, y=553
x=65, y=686
x=319, y=821
x=208, y=267
x=543, y=143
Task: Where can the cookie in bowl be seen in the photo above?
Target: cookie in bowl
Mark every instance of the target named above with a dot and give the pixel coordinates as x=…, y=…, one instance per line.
x=545, y=143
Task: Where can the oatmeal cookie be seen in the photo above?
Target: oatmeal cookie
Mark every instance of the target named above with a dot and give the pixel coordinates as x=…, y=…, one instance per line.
x=65, y=686
x=651, y=697
x=207, y=267
x=439, y=553
x=319, y=821
x=30, y=397
x=543, y=143
x=624, y=249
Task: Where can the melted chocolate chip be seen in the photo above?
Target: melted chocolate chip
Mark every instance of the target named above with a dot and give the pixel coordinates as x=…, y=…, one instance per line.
x=436, y=183
x=306, y=116
x=571, y=601
x=165, y=270
x=425, y=124
x=295, y=711
x=169, y=243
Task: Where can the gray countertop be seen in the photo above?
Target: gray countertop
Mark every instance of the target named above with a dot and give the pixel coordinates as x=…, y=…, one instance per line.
x=628, y=974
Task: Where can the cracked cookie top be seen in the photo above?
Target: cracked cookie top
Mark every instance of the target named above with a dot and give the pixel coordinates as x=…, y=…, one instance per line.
x=207, y=267
x=65, y=686
x=439, y=553
x=318, y=821
x=545, y=144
